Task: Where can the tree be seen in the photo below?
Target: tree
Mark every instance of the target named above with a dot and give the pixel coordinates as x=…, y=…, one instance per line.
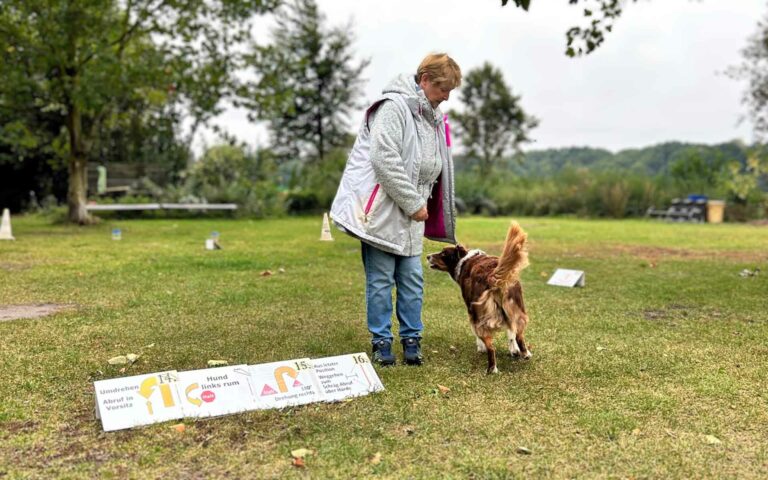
x=308, y=83
x=584, y=40
x=754, y=69
x=74, y=57
x=493, y=122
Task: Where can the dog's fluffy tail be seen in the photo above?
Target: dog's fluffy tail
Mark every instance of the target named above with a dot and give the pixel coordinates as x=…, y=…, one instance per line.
x=514, y=257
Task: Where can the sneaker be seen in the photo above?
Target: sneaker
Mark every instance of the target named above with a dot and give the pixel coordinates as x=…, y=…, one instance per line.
x=382, y=353
x=412, y=351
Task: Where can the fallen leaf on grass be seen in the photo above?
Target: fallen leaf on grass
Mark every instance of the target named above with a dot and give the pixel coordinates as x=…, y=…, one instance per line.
x=599, y=348
x=179, y=427
x=118, y=360
x=543, y=274
x=132, y=357
x=299, y=463
x=452, y=348
x=713, y=440
x=443, y=389
x=281, y=270
x=376, y=459
x=301, y=452
x=217, y=363
x=523, y=450
x=266, y=273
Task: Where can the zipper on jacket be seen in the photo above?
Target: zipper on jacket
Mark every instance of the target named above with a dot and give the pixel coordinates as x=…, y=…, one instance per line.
x=370, y=200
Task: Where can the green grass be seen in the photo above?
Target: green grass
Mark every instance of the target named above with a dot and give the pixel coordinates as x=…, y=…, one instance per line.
x=665, y=346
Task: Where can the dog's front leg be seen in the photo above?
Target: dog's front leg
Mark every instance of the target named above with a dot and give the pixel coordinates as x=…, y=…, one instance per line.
x=514, y=348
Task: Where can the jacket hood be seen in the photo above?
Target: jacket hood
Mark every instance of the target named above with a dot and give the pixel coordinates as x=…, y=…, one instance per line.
x=405, y=85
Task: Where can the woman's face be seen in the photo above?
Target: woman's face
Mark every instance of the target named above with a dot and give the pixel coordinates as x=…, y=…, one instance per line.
x=435, y=93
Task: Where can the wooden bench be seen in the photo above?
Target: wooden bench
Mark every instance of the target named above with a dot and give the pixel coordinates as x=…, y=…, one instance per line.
x=119, y=179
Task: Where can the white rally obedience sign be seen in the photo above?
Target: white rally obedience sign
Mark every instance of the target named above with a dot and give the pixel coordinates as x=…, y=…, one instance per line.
x=156, y=397
x=567, y=278
x=285, y=384
x=140, y=400
x=216, y=391
x=346, y=376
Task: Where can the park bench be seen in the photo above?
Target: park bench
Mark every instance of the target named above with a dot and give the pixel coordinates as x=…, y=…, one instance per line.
x=123, y=178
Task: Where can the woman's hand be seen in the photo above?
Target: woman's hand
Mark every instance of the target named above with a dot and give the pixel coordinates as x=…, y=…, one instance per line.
x=421, y=215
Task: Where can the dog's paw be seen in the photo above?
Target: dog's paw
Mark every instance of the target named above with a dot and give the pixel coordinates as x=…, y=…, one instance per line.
x=528, y=355
x=514, y=350
x=493, y=370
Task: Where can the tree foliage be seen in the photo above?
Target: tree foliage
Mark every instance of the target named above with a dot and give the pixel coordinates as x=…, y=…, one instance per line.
x=493, y=122
x=581, y=40
x=754, y=69
x=77, y=59
x=308, y=83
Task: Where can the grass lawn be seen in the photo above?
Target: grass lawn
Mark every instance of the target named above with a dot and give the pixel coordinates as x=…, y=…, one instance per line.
x=657, y=368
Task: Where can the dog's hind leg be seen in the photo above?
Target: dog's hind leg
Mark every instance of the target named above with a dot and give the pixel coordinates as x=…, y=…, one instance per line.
x=524, y=352
x=478, y=341
x=491, y=351
x=516, y=320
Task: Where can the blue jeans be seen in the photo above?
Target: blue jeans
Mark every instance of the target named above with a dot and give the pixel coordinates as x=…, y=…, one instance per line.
x=382, y=272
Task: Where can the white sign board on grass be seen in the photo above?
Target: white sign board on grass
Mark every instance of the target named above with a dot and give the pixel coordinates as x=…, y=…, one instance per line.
x=216, y=391
x=285, y=384
x=567, y=278
x=346, y=376
x=139, y=400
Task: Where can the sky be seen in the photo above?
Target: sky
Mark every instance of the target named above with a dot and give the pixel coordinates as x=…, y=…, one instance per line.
x=659, y=76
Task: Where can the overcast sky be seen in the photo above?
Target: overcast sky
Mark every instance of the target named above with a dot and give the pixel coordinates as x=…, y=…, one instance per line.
x=658, y=77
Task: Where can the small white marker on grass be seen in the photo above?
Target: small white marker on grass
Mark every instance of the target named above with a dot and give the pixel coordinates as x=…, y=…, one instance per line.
x=567, y=278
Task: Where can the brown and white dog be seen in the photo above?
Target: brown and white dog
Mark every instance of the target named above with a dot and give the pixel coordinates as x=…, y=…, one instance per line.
x=492, y=291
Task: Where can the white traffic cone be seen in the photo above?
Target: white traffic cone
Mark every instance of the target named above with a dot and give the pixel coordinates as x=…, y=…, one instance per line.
x=325, y=233
x=5, y=227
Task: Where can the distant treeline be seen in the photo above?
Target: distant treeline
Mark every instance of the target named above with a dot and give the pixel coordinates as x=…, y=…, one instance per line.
x=648, y=161
x=596, y=182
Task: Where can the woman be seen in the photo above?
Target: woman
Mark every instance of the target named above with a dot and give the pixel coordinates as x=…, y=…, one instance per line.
x=397, y=187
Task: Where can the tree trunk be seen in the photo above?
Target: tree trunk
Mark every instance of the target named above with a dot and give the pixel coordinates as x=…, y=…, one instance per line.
x=78, y=174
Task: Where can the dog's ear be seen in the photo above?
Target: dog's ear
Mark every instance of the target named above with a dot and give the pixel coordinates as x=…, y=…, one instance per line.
x=460, y=248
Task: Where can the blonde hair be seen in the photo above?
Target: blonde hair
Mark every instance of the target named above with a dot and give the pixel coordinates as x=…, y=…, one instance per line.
x=440, y=69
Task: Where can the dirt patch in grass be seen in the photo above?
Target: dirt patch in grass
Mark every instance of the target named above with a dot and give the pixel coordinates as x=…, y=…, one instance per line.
x=656, y=253
x=676, y=312
x=650, y=254
x=672, y=310
x=14, y=312
x=15, y=427
x=14, y=267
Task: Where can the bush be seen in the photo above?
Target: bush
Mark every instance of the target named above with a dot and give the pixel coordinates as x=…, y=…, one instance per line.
x=229, y=174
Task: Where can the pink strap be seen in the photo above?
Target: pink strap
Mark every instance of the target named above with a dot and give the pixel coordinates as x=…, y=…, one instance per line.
x=447, y=131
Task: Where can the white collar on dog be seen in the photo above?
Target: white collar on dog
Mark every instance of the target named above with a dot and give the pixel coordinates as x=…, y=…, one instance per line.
x=470, y=254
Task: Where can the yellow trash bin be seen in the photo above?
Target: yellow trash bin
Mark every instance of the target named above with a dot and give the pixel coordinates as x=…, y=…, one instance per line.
x=715, y=210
